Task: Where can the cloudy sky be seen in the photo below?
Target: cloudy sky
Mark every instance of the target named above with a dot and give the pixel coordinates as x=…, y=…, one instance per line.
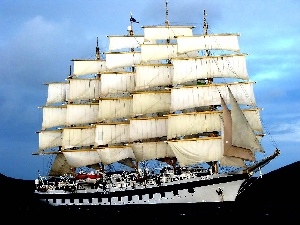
x=38, y=39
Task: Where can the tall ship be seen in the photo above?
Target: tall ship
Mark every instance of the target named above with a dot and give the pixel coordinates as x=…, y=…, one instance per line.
x=163, y=117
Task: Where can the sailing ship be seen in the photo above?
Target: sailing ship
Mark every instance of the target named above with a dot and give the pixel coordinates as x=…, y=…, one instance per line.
x=165, y=117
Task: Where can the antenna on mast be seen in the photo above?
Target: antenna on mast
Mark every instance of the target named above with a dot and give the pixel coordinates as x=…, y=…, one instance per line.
x=97, y=51
x=167, y=14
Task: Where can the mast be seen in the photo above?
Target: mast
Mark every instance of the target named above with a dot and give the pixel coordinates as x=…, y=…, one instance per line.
x=167, y=14
x=70, y=72
x=205, y=32
x=98, y=56
x=131, y=33
x=130, y=29
x=167, y=24
x=205, y=24
x=214, y=164
x=207, y=52
x=97, y=51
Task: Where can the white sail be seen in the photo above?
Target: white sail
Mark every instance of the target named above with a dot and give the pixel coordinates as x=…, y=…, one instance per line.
x=113, y=154
x=56, y=92
x=78, y=114
x=49, y=139
x=122, y=59
x=166, y=32
x=109, y=134
x=208, y=42
x=207, y=121
x=79, y=158
x=205, y=95
x=193, y=123
x=227, y=66
x=253, y=118
x=152, y=150
x=189, y=152
x=84, y=66
x=148, y=128
x=54, y=116
x=78, y=137
x=114, y=108
x=158, y=51
x=241, y=128
x=124, y=42
x=84, y=89
x=115, y=84
x=151, y=102
x=153, y=75
x=229, y=118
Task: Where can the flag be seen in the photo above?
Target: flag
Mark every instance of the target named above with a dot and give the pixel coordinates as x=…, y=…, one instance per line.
x=133, y=20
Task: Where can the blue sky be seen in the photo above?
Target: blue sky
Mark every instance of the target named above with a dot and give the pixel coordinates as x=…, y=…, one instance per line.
x=38, y=39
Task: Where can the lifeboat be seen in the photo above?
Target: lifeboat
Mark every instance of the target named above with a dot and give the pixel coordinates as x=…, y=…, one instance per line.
x=93, y=176
x=81, y=176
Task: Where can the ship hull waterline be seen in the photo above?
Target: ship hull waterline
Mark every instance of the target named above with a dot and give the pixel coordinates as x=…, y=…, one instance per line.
x=211, y=188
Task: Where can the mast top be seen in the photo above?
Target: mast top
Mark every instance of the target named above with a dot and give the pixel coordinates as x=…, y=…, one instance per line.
x=130, y=29
x=205, y=24
x=132, y=20
x=97, y=51
x=167, y=14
